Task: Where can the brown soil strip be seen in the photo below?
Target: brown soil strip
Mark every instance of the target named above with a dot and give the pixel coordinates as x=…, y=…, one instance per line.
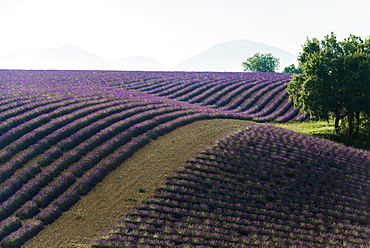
x=122, y=189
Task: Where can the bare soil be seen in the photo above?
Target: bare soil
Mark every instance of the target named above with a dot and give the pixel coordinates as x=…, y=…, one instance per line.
x=133, y=181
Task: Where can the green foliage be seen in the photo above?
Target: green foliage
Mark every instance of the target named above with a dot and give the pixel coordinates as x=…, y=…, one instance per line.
x=261, y=63
x=79, y=214
x=335, y=82
x=292, y=69
x=310, y=127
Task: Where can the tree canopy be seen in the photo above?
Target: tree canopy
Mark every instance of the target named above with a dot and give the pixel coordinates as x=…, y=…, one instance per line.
x=292, y=69
x=261, y=63
x=335, y=82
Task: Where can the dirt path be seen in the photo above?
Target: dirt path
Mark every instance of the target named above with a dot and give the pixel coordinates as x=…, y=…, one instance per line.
x=123, y=188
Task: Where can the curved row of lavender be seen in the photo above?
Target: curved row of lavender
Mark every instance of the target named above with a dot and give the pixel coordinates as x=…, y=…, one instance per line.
x=61, y=132
x=261, y=186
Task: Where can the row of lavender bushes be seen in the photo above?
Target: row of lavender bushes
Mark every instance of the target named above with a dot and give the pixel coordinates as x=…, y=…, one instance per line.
x=262, y=186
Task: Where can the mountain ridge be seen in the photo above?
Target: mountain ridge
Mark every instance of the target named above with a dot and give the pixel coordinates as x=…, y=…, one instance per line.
x=72, y=57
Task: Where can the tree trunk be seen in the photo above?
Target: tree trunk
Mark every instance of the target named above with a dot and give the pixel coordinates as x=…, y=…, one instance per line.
x=351, y=127
x=357, y=124
x=336, y=123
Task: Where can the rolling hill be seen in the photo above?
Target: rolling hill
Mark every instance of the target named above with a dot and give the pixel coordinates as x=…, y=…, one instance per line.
x=63, y=132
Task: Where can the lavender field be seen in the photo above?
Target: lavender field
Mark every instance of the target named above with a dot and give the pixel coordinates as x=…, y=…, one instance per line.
x=62, y=132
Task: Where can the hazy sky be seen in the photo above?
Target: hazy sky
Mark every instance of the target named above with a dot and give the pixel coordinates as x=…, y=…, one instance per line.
x=171, y=31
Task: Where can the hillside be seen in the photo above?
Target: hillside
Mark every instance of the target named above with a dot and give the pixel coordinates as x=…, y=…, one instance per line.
x=261, y=186
x=63, y=132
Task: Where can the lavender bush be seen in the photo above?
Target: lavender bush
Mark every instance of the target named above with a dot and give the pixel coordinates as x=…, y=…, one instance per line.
x=48, y=215
x=28, y=210
x=67, y=200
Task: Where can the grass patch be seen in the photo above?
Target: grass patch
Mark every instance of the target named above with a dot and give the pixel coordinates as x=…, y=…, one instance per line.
x=324, y=130
x=310, y=127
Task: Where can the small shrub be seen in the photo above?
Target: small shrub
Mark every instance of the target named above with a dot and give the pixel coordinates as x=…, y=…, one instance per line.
x=79, y=214
x=87, y=183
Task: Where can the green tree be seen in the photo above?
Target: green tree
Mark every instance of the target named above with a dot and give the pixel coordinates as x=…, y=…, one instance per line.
x=335, y=82
x=261, y=63
x=292, y=69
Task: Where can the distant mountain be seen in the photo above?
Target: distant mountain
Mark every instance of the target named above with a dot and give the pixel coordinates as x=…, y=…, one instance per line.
x=230, y=55
x=62, y=58
x=138, y=63
x=74, y=58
